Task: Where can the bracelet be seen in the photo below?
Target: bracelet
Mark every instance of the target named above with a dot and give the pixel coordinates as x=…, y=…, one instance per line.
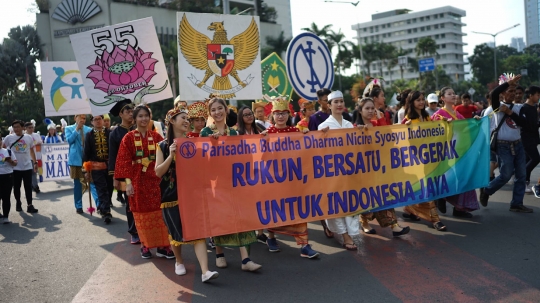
x=128, y=181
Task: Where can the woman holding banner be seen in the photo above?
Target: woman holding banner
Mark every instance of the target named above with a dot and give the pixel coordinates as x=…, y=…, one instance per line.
x=347, y=226
x=177, y=126
x=281, y=115
x=135, y=165
x=387, y=217
x=218, y=111
x=465, y=202
x=415, y=112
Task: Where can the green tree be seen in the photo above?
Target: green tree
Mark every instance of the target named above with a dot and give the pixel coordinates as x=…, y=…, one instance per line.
x=426, y=47
x=22, y=105
x=370, y=52
x=27, y=37
x=533, y=49
x=11, y=65
x=322, y=33
x=278, y=45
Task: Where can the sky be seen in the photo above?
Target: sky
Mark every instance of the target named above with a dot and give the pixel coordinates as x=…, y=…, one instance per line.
x=482, y=15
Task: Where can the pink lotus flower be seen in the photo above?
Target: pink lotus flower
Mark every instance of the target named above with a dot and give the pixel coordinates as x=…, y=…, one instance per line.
x=122, y=72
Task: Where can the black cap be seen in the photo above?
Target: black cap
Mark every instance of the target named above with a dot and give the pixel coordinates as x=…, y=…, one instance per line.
x=119, y=106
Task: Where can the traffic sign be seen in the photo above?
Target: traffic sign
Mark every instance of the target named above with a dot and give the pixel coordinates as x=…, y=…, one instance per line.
x=471, y=91
x=427, y=64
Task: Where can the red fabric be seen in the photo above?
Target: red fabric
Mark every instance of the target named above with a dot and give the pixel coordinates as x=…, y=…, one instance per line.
x=289, y=129
x=466, y=111
x=380, y=122
x=147, y=197
x=192, y=135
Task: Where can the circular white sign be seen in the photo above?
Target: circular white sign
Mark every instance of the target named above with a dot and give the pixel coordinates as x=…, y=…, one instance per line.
x=309, y=65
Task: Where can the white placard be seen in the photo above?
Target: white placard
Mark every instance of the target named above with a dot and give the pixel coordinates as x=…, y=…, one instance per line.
x=63, y=89
x=55, y=162
x=122, y=61
x=219, y=54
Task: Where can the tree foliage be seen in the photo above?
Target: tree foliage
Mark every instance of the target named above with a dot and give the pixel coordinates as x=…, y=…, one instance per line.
x=277, y=44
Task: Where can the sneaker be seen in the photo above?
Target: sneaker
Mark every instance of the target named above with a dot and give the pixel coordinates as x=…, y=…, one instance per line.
x=135, y=239
x=165, y=253
x=179, y=269
x=272, y=245
x=307, y=252
x=1, y=216
x=483, y=197
x=145, y=253
x=120, y=198
x=107, y=218
x=221, y=262
x=80, y=211
x=211, y=243
x=536, y=190
x=521, y=209
x=18, y=207
x=262, y=238
x=5, y=221
x=30, y=209
x=251, y=266
x=209, y=275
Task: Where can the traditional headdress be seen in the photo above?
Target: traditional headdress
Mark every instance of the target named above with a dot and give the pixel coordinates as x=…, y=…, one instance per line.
x=374, y=82
x=505, y=78
x=33, y=122
x=106, y=117
x=233, y=108
x=308, y=105
x=173, y=113
x=258, y=103
x=198, y=110
x=50, y=123
x=119, y=106
x=280, y=103
x=334, y=95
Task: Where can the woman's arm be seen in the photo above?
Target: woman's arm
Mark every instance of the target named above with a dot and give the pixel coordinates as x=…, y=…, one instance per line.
x=162, y=165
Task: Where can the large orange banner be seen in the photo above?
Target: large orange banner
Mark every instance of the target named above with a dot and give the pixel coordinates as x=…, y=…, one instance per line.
x=244, y=183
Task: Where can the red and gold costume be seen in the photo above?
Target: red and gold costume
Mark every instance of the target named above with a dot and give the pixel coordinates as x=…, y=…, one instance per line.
x=136, y=161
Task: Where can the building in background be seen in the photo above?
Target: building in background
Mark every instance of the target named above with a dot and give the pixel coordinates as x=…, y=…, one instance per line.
x=403, y=28
x=532, y=21
x=490, y=44
x=518, y=43
x=66, y=17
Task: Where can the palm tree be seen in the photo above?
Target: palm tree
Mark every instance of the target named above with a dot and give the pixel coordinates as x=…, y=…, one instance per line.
x=278, y=45
x=338, y=39
x=425, y=47
x=321, y=33
x=370, y=55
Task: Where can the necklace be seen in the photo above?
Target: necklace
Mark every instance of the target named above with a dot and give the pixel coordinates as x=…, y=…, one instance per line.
x=139, y=150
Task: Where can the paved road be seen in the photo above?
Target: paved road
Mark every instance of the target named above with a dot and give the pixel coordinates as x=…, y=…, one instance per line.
x=59, y=256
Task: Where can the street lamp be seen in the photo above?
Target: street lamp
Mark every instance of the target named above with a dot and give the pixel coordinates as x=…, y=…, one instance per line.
x=495, y=46
x=359, y=34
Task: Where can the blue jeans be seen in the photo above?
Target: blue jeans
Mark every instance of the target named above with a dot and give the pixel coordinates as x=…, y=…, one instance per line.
x=77, y=193
x=510, y=163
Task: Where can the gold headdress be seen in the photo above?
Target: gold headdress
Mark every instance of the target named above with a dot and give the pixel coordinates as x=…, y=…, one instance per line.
x=280, y=103
x=198, y=110
x=233, y=108
x=174, y=112
x=308, y=105
x=258, y=103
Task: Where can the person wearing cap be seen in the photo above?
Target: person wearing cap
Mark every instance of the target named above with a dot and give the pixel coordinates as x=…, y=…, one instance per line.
x=96, y=156
x=124, y=110
x=324, y=111
x=433, y=101
x=258, y=110
x=75, y=135
x=52, y=135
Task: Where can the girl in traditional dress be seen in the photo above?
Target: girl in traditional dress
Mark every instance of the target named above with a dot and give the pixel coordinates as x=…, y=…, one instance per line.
x=52, y=137
x=177, y=126
x=197, y=114
x=346, y=226
x=281, y=115
x=218, y=111
x=375, y=91
x=308, y=109
x=465, y=202
x=416, y=112
x=387, y=217
x=135, y=165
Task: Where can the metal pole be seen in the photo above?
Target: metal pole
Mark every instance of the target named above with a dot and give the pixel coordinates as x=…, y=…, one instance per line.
x=360, y=48
x=495, y=56
x=226, y=7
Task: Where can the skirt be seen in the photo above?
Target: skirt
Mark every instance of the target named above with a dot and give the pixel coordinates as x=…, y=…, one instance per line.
x=298, y=231
x=75, y=172
x=236, y=240
x=171, y=217
x=385, y=217
x=151, y=228
x=467, y=201
x=426, y=211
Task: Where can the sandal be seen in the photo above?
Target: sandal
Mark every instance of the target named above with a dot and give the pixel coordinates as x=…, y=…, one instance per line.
x=369, y=231
x=328, y=233
x=439, y=226
x=411, y=217
x=350, y=246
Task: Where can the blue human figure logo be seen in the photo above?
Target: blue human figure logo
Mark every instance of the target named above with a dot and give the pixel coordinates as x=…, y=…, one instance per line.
x=59, y=82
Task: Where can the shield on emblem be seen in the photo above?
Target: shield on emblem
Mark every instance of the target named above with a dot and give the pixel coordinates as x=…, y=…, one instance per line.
x=220, y=58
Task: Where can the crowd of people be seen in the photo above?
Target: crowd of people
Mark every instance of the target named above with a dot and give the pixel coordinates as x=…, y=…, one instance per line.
x=137, y=159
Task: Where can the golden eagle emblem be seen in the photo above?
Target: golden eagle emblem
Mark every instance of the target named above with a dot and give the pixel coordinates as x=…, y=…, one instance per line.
x=219, y=57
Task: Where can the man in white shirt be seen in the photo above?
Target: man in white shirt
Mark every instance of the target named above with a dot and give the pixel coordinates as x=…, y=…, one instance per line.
x=22, y=146
x=29, y=127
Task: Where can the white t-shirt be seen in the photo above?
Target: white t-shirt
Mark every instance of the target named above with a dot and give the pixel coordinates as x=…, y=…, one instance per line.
x=37, y=141
x=5, y=167
x=21, y=149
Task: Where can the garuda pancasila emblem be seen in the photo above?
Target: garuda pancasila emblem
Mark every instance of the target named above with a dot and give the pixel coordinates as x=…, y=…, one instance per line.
x=219, y=57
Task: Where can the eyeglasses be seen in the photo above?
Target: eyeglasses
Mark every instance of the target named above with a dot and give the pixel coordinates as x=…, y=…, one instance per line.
x=281, y=114
x=248, y=115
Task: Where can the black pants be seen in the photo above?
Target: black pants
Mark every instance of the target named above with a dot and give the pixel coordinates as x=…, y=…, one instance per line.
x=132, y=229
x=533, y=157
x=25, y=177
x=101, y=181
x=6, y=185
x=110, y=186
